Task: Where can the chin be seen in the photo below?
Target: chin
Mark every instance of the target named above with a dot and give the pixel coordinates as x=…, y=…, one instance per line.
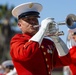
x=33, y=33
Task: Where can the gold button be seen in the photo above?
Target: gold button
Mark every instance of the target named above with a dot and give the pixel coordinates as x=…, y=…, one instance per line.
x=46, y=59
x=42, y=47
x=49, y=73
x=44, y=53
x=47, y=66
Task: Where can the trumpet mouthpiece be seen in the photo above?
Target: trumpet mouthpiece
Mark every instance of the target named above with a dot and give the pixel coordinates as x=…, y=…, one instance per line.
x=36, y=26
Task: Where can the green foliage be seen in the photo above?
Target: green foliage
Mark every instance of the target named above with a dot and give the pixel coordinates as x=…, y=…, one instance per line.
x=6, y=21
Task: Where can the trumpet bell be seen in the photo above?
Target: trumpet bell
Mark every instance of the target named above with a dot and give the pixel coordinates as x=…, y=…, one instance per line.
x=71, y=21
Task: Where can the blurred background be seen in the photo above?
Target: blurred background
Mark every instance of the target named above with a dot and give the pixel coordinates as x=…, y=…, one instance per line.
x=7, y=30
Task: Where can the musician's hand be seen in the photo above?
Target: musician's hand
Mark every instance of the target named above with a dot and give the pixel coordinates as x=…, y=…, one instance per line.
x=46, y=22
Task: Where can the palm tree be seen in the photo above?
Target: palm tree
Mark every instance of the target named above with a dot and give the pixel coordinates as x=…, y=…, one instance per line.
x=6, y=21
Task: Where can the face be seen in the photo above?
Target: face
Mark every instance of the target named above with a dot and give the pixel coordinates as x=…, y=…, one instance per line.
x=74, y=36
x=27, y=25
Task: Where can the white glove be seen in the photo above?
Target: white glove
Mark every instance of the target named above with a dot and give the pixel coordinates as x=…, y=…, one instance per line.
x=62, y=48
x=38, y=37
x=46, y=22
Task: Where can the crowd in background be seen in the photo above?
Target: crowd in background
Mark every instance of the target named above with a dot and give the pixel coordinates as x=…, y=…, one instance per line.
x=7, y=68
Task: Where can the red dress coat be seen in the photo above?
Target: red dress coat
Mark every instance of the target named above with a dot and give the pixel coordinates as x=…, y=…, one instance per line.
x=73, y=66
x=31, y=59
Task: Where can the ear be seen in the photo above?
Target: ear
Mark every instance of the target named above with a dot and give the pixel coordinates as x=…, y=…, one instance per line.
x=19, y=24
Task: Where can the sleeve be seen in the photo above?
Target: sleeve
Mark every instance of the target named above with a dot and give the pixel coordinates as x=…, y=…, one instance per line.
x=21, y=50
x=73, y=54
x=59, y=61
x=68, y=59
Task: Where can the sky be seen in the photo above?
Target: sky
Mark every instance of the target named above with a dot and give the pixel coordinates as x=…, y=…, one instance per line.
x=57, y=9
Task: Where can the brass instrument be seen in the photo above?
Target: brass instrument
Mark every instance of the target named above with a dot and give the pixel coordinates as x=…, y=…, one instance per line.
x=53, y=28
x=71, y=21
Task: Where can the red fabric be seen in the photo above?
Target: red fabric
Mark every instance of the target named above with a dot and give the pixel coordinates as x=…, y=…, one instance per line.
x=73, y=69
x=73, y=54
x=1, y=74
x=73, y=66
x=29, y=59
